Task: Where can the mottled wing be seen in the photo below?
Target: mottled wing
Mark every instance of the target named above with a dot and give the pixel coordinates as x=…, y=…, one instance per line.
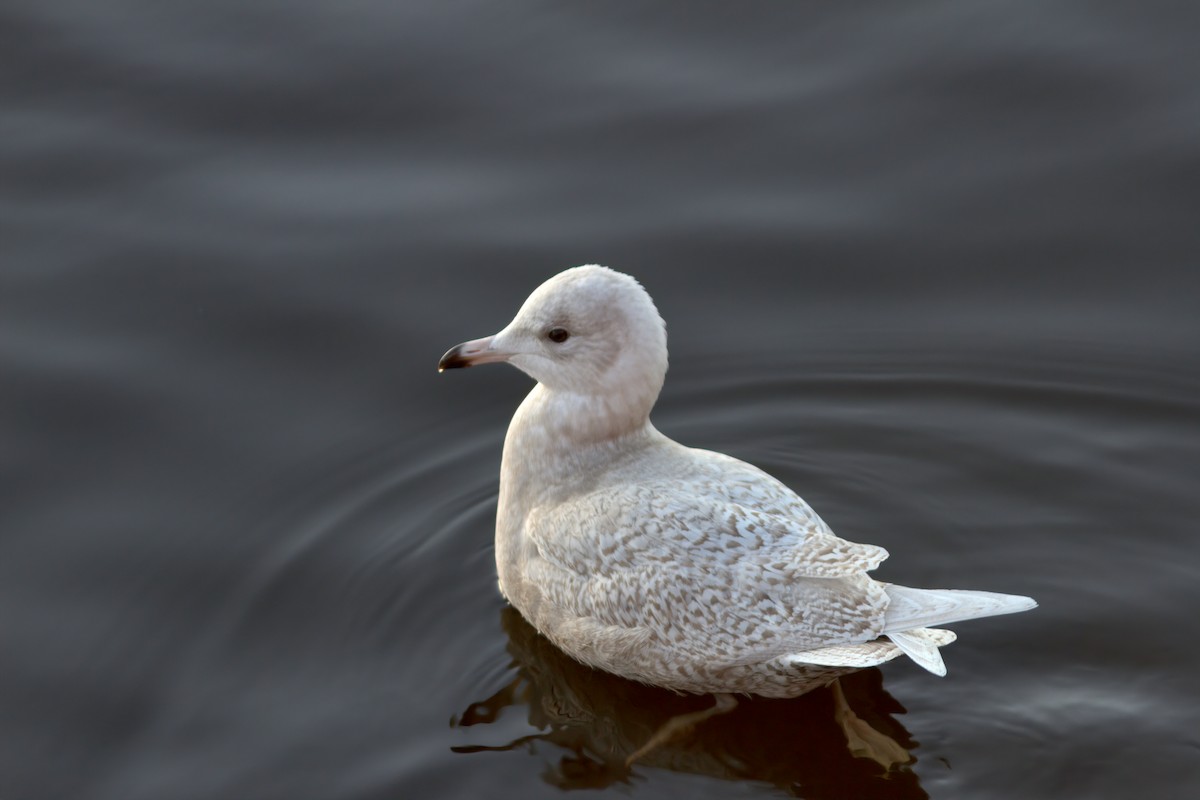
x=702, y=573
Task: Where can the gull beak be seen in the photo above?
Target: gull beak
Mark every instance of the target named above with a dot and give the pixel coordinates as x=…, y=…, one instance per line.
x=468, y=354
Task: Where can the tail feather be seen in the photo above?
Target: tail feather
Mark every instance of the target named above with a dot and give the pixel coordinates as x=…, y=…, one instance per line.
x=920, y=649
x=872, y=653
x=921, y=608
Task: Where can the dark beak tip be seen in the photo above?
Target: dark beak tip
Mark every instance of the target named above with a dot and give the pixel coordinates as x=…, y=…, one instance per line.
x=453, y=359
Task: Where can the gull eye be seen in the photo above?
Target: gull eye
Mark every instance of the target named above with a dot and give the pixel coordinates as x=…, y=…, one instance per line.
x=558, y=335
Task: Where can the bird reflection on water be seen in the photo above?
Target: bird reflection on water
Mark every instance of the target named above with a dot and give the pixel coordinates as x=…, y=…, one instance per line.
x=831, y=742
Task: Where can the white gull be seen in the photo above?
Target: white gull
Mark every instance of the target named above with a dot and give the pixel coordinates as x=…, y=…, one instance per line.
x=678, y=567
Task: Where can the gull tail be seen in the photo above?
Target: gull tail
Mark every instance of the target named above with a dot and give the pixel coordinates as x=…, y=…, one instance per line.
x=911, y=609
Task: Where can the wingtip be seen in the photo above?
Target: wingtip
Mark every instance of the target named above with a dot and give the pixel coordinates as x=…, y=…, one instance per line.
x=1019, y=603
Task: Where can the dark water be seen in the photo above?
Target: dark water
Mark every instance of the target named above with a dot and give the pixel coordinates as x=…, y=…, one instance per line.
x=935, y=265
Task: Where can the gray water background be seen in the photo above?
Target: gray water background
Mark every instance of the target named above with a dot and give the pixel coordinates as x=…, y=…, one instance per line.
x=934, y=265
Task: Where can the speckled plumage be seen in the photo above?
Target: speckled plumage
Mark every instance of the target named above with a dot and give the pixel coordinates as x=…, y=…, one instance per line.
x=679, y=567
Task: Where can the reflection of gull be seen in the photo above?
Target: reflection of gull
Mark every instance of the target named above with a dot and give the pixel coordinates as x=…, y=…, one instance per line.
x=677, y=567
x=598, y=720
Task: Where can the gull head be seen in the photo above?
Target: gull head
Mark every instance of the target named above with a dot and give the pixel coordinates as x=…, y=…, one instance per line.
x=587, y=331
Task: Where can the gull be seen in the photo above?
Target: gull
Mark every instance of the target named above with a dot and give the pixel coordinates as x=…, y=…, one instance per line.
x=674, y=566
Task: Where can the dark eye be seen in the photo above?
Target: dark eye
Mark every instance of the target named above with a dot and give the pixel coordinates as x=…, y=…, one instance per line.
x=558, y=335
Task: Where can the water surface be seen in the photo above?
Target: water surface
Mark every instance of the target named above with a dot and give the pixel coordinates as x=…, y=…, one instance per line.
x=934, y=266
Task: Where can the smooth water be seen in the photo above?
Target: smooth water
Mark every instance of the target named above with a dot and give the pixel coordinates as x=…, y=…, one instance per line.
x=934, y=265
